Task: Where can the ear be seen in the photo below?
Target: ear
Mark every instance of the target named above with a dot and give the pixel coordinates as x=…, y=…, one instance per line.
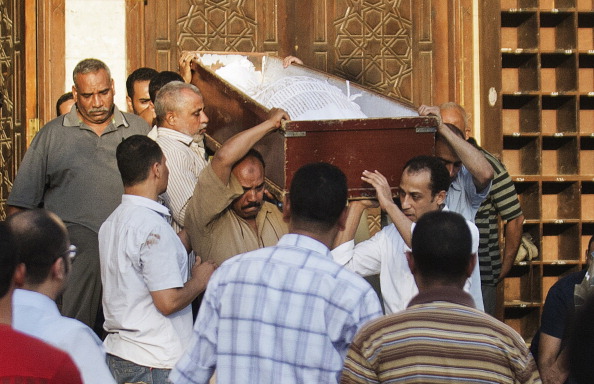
x=286, y=209
x=440, y=197
x=170, y=118
x=471, y=265
x=342, y=219
x=58, y=269
x=129, y=103
x=411, y=262
x=74, y=93
x=19, y=275
x=113, y=87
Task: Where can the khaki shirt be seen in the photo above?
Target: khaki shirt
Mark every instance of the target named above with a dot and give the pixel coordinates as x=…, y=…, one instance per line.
x=216, y=232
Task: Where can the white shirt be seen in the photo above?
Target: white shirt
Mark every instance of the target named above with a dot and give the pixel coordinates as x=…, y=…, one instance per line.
x=37, y=315
x=384, y=253
x=462, y=196
x=185, y=160
x=141, y=253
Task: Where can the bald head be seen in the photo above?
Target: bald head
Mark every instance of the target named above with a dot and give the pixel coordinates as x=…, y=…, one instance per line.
x=40, y=238
x=453, y=113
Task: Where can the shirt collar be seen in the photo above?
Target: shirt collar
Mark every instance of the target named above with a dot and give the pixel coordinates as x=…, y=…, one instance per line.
x=302, y=241
x=449, y=294
x=147, y=203
x=175, y=135
x=71, y=119
x=36, y=299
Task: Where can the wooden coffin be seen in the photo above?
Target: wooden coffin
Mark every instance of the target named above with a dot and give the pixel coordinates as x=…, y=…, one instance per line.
x=391, y=135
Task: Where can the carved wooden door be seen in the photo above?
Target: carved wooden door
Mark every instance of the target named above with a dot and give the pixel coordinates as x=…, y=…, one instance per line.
x=384, y=44
x=12, y=112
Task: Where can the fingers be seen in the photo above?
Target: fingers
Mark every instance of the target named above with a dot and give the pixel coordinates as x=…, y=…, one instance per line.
x=426, y=110
x=290, y=60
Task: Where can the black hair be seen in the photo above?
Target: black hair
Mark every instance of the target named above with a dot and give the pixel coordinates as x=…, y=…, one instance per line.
x=8, y=259
x=65, y=97
x=318, y=195
x=40, y=239
x=160, y=79
x=141, y=74
x=135, y=156
x=439, y=175
x=442, y=246
x=251, y=153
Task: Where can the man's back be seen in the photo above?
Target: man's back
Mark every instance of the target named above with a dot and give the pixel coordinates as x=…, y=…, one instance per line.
x=28, y=360
x=280, y=314
x=439, y=338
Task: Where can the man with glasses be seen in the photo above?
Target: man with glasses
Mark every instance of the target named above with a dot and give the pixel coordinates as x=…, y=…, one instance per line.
x=43, y=245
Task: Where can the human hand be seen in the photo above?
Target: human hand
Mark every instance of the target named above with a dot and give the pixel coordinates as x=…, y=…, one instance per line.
x=290, y=60
x=426, y=110
x=185, y=65
x=364, y=204
x=276, y=115
x=382, y=188
x=202, y=271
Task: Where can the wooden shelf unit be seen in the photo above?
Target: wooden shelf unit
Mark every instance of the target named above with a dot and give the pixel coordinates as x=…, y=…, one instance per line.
x=547, y=118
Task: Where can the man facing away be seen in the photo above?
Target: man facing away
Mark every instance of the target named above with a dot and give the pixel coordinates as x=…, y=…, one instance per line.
x=470, y=172
x=44, y=248
x=422, y=189
x=144, y=270
x=181, y=125
x=24, y=358
x=440, y=337
x=287, y=313
x=227, y=214
x=502, y=201
x=70, y=169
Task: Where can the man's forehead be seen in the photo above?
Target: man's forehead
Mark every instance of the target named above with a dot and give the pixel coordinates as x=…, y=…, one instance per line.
x=415, y=181
x=99, y=79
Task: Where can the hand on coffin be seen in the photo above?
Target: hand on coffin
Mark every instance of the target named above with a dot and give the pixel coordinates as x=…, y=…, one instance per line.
x=382, y=188
x=276, y=116
x=290, y=60
x=430, y=110
x=185, y=65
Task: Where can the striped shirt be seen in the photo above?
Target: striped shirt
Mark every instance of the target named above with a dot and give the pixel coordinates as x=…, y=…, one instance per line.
x=440, y=338
x=185, y=160
x=282, y=314
x=502, y=201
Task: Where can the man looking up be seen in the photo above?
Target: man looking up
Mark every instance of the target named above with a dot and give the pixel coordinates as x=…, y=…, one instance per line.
x=138, y=98
x=422, y=189
x=502, y=201
x=182, y=122
x=287, y=313
x=43, y=247
x=144, y=270
x=470, y=172
x=70, y=169
x=440, y=337
x=227, y=214
x=25, y=359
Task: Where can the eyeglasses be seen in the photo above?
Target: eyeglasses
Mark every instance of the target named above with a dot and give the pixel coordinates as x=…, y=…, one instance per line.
x=71, y=252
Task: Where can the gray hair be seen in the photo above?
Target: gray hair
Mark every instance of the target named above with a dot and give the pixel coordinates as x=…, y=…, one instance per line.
x=459, y=108
x=170, y=97
x=89, y=66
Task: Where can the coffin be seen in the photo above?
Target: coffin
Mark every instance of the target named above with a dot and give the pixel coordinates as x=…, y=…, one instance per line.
x=391, y=134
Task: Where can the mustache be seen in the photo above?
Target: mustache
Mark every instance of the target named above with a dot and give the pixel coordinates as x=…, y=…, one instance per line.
x=102, y=109
x=253, y=204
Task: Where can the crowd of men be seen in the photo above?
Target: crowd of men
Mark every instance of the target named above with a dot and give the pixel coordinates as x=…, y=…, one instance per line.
x=122, y=221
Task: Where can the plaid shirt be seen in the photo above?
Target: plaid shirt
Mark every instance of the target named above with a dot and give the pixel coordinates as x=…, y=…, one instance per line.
x=282, y=314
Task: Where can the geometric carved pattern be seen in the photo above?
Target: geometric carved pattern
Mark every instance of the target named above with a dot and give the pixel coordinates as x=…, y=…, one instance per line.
x=11, y=89
x=224, y=25
x=373, y=45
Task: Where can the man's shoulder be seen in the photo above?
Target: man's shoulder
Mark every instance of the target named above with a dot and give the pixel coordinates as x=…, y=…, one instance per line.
x=135, y=123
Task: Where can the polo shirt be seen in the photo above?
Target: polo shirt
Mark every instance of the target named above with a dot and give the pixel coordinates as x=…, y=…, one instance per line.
x=439, y=338
x=73, y=172
x=462, y=196
x=216, y=231
x=385, y=254
x=501, y=201
x=141, y=253
x=282, y=314
x=37, y=315
x=185, y=160
x=29, y=360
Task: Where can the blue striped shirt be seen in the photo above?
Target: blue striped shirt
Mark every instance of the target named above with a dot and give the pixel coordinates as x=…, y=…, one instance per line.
x=282, y=314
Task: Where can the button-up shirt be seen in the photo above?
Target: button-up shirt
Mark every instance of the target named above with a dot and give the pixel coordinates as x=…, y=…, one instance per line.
x=283, y=314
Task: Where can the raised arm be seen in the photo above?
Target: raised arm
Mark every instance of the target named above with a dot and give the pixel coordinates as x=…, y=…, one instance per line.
x=472, y=158
x=237, y=146
x=384, y=195
x=355, y=210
